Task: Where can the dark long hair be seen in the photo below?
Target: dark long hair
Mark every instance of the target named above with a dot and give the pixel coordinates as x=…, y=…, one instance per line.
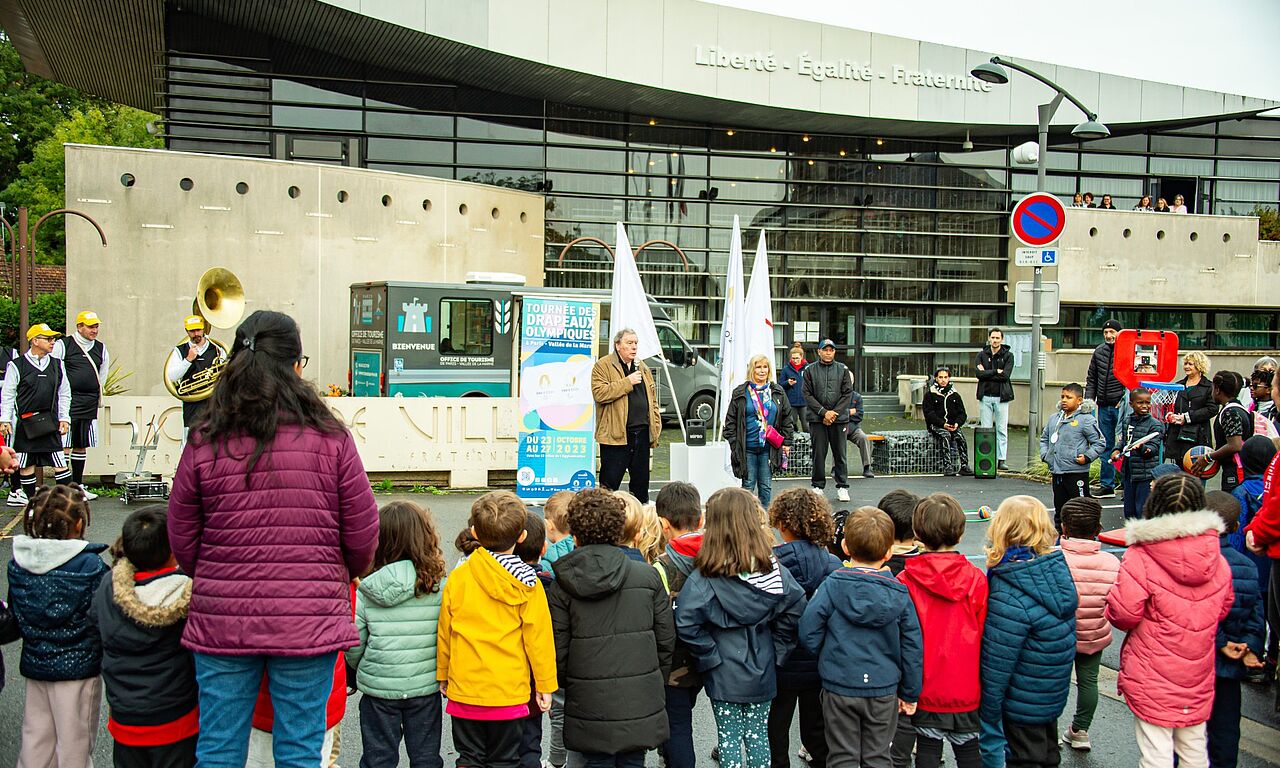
x=407, y=532
x=259, y=390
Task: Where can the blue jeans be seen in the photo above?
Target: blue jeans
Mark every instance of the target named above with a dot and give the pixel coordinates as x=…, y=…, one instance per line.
x=1108, y=415
x=678, y=751
x=416, y=721
x=299, y=686
x=994, y=413
x=1135, y=496
x=759, y=475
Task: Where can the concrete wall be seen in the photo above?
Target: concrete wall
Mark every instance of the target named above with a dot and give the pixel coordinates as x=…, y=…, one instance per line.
x=1127, y=257
x=294, y=245
x=455, y=442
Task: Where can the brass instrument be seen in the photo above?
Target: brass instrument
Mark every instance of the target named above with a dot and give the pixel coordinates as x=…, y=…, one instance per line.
x=220, y=301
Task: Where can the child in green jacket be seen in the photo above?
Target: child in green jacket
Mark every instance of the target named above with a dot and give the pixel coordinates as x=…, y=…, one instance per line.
x=397, y=608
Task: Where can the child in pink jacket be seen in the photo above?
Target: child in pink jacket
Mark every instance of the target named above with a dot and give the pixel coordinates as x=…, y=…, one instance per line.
x=1174, y=588
x=1094, y=573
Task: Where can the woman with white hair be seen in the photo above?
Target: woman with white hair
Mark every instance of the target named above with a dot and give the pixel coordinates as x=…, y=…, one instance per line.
x=758, y=428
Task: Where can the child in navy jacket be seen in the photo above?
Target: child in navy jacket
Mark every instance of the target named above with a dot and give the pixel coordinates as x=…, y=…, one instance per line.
x=52, y=580
x=863, y=628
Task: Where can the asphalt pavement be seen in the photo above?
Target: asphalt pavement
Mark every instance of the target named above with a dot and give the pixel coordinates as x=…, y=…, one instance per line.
x=1112, y=733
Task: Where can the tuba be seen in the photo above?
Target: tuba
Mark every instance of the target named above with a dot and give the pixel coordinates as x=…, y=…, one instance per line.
x=220, y=301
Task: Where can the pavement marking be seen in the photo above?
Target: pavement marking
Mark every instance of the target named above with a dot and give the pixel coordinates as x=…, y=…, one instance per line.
x=1258, y=739
x=9, y=526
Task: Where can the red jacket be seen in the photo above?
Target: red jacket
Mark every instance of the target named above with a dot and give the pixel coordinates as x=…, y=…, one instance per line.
x=950, y=595
x=1265, y=525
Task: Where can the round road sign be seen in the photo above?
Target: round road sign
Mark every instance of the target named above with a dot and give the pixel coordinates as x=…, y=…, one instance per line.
x=1038, y=219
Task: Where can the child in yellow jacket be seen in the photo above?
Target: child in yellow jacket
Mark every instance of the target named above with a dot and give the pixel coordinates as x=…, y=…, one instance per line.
x=494, y=628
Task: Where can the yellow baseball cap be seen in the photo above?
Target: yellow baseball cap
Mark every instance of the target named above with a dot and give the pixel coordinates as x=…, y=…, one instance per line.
x=193, y=323
x=87, y=317
x=41, y=329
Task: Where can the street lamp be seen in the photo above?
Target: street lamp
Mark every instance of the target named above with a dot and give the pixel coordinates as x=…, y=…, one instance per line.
x=994, y=72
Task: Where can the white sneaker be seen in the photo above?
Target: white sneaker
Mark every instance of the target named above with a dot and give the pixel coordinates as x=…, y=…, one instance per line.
x=1077, y=740
x=88, y=494
x=804, y=755
x=842, y=494
x=817, y=490
x=17, y=498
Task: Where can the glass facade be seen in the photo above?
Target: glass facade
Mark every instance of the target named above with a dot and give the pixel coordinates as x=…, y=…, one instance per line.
x=895, y=247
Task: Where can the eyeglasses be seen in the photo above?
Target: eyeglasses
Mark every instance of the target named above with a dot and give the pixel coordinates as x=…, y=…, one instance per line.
x=43, y=338
x=302, y=361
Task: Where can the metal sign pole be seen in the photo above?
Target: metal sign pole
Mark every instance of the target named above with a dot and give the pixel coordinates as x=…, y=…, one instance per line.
x=1037, y=374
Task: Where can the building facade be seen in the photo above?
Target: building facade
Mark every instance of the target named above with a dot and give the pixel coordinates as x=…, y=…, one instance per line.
x=880, y=171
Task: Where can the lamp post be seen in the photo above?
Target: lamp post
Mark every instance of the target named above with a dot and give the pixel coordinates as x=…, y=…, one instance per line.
x=994, y=72
x=23, y=245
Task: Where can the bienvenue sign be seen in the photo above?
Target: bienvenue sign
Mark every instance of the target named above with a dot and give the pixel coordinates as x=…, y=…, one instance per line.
x=819, y=70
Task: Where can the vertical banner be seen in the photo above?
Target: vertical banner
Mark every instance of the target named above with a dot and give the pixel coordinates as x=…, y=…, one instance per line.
x=557, y=412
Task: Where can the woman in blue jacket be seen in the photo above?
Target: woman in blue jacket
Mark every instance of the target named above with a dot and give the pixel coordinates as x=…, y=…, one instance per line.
x=1029, y=639
x=791, y=377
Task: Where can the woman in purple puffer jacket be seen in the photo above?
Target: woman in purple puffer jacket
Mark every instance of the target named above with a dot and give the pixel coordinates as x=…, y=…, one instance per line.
x=272, y=516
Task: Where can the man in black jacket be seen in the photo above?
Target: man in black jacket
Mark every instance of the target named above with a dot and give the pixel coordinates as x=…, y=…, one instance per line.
x=827, y=392
x=1102, y=386
x=995, y=391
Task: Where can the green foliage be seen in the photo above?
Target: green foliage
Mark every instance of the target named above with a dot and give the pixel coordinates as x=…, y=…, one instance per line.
x=111, y=491
x=1268, y=222
x=48, y=308
x=114, y=385
x=383, y=486
x=431, y=489
x=41, y=185
x=30, y=109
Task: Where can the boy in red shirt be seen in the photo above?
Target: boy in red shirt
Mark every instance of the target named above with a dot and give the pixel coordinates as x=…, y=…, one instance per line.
x=950, y=595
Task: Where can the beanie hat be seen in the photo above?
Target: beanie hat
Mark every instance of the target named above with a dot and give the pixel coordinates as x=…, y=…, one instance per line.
x=1257, y=453
x=1113, y=324
x=1165, y=469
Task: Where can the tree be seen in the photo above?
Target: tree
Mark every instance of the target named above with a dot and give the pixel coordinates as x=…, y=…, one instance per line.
x=41, y=185
x=1268, y=222
x=30, y=109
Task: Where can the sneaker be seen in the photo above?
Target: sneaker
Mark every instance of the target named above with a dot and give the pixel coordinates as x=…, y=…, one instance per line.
x=949, y=472
x=715, y=751
x=867, y=473
x=1002, y=466
x=1078, y=740
x=966, y=470
x=17, y=498
x=842, y=494
x=819, y=491
x=804, y=755
x=88, y=494
x=1105, y=493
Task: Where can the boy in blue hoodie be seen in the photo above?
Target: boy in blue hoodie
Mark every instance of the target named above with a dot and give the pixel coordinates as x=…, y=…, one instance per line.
x=1069, y=444
x=862, y=626
x=1240, y=639
x=1255, y=456
x=1135, y=475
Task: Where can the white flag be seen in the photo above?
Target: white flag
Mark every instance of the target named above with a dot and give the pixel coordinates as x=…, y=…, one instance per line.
x=758, y=315
x=733, y=357
x=630, y=304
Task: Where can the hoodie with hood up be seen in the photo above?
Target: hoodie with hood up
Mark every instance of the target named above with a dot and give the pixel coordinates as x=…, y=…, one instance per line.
x=614, y=635
x=810, y=564
x=950, y=597
x=1174, y=588
x=51, y=587
x=863, y=628
x=396, y=657
x=150, y=679
x=494, y=628
x=740, y=629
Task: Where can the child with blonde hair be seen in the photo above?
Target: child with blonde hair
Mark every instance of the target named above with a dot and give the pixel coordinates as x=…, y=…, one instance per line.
x=1029, y=638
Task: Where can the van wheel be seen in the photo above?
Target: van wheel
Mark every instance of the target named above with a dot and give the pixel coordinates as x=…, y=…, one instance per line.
x=702, y=406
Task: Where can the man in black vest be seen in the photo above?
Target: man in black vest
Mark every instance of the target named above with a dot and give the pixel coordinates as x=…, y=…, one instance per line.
x=36, y=391
x=189, y=358
x=86, y=361
x=828, y=391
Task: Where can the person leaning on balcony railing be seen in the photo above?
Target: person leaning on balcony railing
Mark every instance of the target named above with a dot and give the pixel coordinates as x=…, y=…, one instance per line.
x=1144, y=204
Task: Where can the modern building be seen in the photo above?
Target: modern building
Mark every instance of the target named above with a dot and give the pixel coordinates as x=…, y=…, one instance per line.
x=880, y=168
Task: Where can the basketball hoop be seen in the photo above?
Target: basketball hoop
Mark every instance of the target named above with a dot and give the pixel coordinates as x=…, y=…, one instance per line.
x=1163, y=397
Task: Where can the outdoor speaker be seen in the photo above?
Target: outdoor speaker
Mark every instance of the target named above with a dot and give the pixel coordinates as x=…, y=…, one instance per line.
x=984, y=452
x=695, y=432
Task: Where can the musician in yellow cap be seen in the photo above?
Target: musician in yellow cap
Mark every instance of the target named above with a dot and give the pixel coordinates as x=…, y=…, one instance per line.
x=86, y=361
x=36, y=390
x=189, y=358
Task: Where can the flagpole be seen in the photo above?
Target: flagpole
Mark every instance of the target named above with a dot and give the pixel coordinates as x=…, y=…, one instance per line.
x=715, y=437
x=675, y=402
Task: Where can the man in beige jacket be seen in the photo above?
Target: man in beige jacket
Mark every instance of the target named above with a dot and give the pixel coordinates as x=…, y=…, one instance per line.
x=627, y=421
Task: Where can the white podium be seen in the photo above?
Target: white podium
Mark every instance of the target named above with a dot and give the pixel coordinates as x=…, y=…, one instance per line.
x=702, y=465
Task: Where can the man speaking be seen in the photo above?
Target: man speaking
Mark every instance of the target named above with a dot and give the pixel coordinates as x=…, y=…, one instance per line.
x=627, y=421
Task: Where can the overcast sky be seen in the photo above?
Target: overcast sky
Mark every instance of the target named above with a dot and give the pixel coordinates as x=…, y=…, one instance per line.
x=1228, y=46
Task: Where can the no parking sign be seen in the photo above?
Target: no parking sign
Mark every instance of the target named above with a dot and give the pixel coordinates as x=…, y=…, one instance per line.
x=1038, y=219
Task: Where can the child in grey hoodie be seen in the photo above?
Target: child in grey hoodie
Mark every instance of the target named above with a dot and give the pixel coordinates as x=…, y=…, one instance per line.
x=1069, y=444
